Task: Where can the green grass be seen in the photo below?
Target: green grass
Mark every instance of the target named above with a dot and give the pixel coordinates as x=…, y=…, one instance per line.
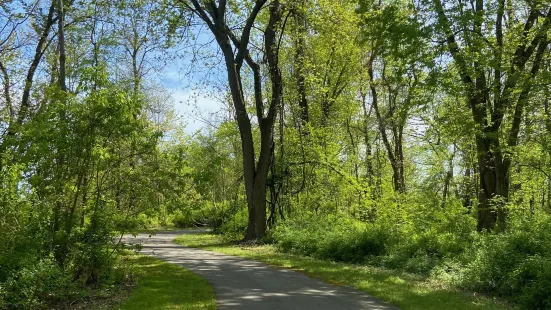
x=404, y=290
x=163, y=286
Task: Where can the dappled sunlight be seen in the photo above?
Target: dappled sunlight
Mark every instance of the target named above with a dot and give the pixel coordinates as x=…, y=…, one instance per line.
x=245, y=284
x=400, y=288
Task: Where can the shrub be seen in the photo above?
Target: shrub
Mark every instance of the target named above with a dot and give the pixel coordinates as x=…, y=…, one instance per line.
x=234, y=226
x=182, y=220
x=516, y=263
x=333, y=238
x=35, y=285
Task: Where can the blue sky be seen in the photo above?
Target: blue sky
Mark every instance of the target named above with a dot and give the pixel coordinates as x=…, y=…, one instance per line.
x=194, y=78
x=190, y=73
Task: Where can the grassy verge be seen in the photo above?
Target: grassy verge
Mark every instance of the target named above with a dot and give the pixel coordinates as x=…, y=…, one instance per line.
x=162, y=286
x=404, y=290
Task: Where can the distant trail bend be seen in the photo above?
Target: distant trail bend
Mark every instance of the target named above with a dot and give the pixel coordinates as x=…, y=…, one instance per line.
x=245, y=284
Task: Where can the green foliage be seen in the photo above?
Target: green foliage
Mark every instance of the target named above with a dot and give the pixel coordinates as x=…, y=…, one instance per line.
x=388, y=96
x=429, y=236
x=442, y=245
x=35, y=285
x=233, y=225
x=516, y=263
x=334, y=238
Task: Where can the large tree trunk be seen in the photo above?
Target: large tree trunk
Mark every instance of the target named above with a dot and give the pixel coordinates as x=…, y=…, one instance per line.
x=494, y=186
x=255, y=174
x=256, y=226
x=255, y=186
x=398, y=177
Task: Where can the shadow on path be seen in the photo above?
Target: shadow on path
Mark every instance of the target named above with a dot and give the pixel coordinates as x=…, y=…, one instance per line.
x=245, y=284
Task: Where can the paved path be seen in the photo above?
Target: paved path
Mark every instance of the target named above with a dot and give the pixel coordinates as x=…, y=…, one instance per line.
x=245, y=284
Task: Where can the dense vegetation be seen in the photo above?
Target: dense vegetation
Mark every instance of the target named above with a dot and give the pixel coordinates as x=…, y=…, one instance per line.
x=411, y=135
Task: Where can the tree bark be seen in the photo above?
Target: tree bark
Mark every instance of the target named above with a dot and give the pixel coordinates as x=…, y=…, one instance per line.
x=300, y=64
x=7, y=91
x=255, y=173
x=367, y=140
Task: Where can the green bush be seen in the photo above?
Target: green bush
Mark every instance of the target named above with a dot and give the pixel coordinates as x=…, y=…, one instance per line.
x=429, y=239
x=415, y=245
x=333, y=238
x=443, y=244
x=515, y=263
x=36, y=285
x=234, y=226
x=182, y=219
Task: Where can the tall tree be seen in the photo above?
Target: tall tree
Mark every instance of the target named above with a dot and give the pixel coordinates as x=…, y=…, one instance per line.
x=495, y=62
x=255, y=170
x=398, y=67
x=43, y=29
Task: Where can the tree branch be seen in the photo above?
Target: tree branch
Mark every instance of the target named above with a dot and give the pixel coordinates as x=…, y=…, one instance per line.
x=453, y=47
x=246, y=34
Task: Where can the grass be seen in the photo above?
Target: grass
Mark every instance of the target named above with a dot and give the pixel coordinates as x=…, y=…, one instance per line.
x=404, y=290
x=163, y=286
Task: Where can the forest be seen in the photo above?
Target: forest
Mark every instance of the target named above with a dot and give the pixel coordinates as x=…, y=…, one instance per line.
x=404, y=135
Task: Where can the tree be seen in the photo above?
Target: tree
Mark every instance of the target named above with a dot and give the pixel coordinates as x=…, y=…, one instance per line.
x=43, y=28
x=399, y=71
x=255, y=170
x=495, y=62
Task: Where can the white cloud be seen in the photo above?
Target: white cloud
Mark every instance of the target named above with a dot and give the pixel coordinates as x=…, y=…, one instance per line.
x=196, y=107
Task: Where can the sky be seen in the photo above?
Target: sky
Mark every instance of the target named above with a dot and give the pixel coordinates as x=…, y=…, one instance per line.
x=193, y=106
x=194, y=79
x=191, y=73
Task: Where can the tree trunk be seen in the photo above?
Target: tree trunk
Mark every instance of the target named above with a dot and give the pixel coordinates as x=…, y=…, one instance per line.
x=494, y=184
x=256, y=188
x=447, y=179
x=255, y=174
x=256, y=226
x=547, y=111
x=467, y=184
x=300, y=64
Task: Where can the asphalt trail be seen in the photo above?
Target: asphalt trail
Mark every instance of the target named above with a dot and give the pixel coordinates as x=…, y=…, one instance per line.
x=240, y=283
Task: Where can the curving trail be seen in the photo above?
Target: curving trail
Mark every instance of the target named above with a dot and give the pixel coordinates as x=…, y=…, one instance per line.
x=240, y=283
